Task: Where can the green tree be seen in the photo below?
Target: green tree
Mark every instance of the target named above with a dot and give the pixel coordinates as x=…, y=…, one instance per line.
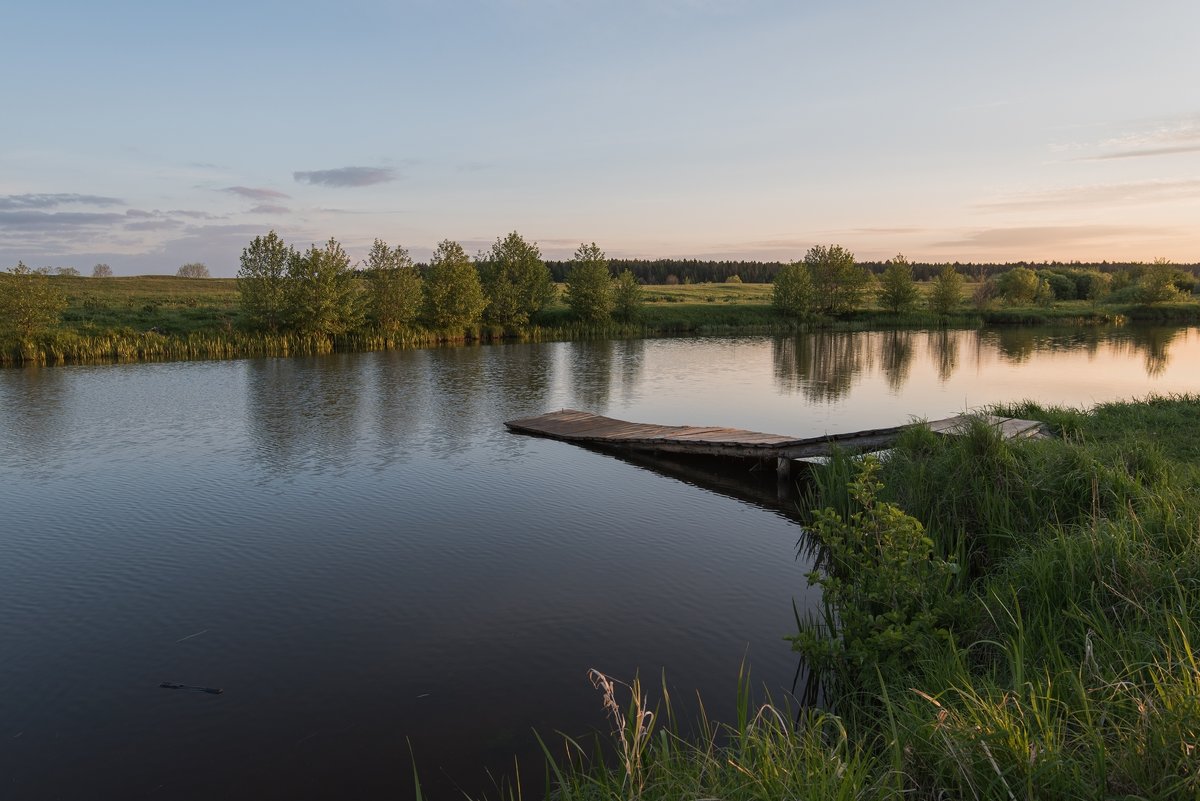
x=897, y=289
x=454, y=296
x=262, y=281
x=838, y=283
x=1157, y=282
x=321, y=292
x=30, y=305
x=792, y=292
x=947, y=291
x=1093, y=285
x=192, y=269
x=515, y=280
x=393, y=288
x=1019, y=285
x=628, y=297
x=590, y=291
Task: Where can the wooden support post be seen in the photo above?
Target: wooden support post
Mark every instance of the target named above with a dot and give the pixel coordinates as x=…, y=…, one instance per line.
x=783, y=468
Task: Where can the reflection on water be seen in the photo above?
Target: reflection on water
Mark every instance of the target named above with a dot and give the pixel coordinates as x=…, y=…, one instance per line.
x=359, y=553
x=824, y=366
x=592, y=372
x=943, y=351
x=302, y=414
x=896, y=356
x=31, y=401
x=1154, y=343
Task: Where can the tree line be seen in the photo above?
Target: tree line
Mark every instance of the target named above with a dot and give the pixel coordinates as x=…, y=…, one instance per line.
x=698, y=271
x=319, y=292
x=829, y=282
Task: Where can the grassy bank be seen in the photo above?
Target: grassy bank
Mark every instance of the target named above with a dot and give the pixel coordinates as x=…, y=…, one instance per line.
x=166, y=317
x=1046, y=651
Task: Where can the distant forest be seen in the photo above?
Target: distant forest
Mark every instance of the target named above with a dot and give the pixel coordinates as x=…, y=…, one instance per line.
x=681, y=271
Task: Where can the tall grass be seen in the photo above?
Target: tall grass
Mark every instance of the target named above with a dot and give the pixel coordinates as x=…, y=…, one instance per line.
x=1070, y=670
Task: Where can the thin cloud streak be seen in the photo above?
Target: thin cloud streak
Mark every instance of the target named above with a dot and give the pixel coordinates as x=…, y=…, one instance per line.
x=53, y=200
x=256, y=193
x=1047, y=235
x=346, y=176
x=1137, y=192
x=1133, y=154
x=44, y=221
x=269, y=208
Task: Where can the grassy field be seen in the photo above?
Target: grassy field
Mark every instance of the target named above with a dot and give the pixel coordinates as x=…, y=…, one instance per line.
x=1047, y=651
x=166, y=317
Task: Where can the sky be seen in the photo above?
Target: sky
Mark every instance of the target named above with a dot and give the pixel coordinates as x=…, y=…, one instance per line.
x=147, y=135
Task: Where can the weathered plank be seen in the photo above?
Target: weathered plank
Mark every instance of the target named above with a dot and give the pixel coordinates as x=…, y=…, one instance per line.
x=575, y=426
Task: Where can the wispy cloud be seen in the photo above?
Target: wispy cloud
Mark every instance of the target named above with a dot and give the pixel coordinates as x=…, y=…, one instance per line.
x=1048, y=235
x=164, y=224
x=1158, y=138
x=58, y=220
x=54, y=200
x=1150, y=151
x=1130, y=193
x=269, y=208
x=255, y=193
x=347, y=176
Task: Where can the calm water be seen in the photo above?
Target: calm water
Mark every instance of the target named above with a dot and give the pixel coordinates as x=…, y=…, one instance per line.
x=355, y=549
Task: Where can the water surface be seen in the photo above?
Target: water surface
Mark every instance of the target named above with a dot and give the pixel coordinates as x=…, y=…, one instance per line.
x=359, y=554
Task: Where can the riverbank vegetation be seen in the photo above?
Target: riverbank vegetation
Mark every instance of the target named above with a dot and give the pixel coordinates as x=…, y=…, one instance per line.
x=1002, y=620
x=285, y=301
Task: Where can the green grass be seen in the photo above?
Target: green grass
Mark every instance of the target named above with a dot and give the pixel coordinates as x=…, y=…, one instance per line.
x=1070, y=669
x=166, y=317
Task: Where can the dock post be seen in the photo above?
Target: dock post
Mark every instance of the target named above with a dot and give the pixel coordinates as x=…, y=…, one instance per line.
x=783, y=468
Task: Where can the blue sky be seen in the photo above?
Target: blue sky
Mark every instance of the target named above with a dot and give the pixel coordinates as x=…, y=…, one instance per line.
x=146, y=135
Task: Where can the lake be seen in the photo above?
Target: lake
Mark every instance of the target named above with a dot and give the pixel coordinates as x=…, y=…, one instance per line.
x=361, y=556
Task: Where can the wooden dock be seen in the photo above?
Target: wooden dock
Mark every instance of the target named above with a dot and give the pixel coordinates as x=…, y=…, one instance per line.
x=592, y=429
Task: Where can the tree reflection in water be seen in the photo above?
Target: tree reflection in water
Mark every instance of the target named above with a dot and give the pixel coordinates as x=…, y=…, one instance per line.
x=823, y=365
x=896, y=357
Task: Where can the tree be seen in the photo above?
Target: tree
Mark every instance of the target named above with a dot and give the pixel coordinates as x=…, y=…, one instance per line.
x=393, y=288
x=590, y=291
x=1093, y=285
x=262, y=281
x=515, y=280
x=838, y=283
x=792, y=292
x=321, y=292
x=627, y=297
x=70, y=272
x=29, y=304
x=102, y=271
x=193, y=269
x=454, y=297
x=1019, y=285
x=947, y=291
x=1157, y=282
x=897, y=289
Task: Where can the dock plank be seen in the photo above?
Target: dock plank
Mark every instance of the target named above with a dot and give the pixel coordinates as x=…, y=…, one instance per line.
x=572, y=425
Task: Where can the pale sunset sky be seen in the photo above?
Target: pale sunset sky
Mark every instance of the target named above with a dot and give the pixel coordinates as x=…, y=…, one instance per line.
x=146, y=135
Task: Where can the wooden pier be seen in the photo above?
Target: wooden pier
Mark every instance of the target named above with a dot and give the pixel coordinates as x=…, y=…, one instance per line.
x=592, y=429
